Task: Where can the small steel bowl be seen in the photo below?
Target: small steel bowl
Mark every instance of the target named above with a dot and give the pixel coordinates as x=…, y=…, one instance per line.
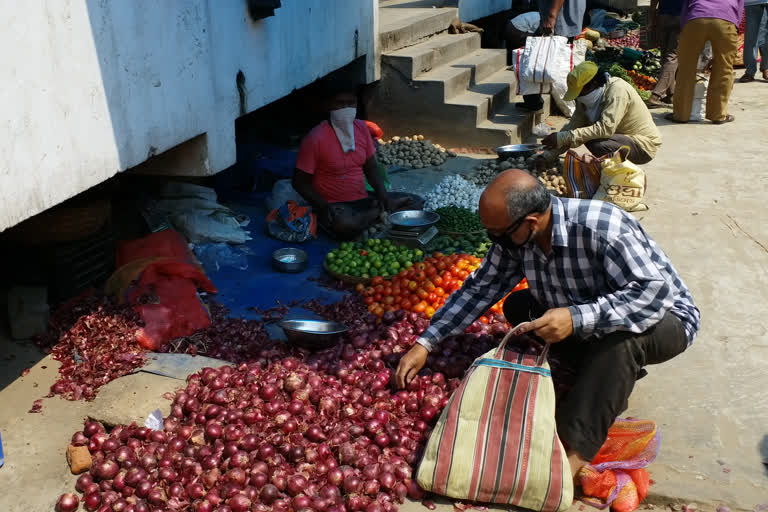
x=290, y=259
x=517, y=150
x=413, y=220
x=313, y=334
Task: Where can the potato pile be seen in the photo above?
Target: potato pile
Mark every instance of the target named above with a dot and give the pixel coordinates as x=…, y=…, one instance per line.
x=550, y=178
x=413, y=152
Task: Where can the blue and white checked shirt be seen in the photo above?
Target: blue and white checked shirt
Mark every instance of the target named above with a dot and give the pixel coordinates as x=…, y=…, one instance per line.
x=603, y=267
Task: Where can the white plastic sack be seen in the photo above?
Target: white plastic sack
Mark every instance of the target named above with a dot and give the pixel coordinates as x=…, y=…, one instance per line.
x=193, y=211
x=540, y=58
x=699, y=109
x=574, y=55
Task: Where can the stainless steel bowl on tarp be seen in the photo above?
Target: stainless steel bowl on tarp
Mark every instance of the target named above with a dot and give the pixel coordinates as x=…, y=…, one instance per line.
x=290, y=259
x=517, y=150
x=413, y=220
x=313, y=334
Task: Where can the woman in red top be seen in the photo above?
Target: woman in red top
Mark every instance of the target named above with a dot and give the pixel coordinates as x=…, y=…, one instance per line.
x=334, y=161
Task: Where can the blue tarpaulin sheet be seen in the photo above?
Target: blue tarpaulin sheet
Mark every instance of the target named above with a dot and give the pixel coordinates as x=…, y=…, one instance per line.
x=262, y=287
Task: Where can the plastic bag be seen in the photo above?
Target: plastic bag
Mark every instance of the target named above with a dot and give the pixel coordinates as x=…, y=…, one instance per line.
x=215, y=256
x=699, y=106
x=496, y=439
x=616, y=477
x=292, y=223
x=622, y=182
x=541, y=57
x=542, y=130
x=282, y=192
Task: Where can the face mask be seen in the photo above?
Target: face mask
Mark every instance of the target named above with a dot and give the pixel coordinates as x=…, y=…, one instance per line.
x=507, y=242
x=343, y=123
x=591, y=103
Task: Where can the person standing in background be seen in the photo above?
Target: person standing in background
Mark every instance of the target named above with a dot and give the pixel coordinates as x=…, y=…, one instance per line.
x=559, y=18
x=755, y=37
x=664, y=24
x=715, y=21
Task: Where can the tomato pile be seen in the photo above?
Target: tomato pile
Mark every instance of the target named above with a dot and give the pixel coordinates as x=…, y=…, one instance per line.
x=425, y=287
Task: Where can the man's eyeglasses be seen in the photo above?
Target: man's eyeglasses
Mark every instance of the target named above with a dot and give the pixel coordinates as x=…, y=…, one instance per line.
x=495, y=236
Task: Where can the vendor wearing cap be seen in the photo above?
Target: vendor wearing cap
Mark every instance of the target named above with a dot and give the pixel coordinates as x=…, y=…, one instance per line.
x=609, y=115
x=335, y=160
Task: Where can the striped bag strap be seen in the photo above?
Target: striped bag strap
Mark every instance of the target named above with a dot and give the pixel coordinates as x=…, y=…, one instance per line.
x=506, y=365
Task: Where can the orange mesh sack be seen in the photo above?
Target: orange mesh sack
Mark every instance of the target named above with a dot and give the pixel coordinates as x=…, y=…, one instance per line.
x=616, y=477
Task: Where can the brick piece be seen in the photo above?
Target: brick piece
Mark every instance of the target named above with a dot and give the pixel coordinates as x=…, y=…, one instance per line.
x=79, y=459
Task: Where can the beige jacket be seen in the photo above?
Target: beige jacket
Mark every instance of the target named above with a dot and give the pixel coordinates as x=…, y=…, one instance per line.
x=622, y=112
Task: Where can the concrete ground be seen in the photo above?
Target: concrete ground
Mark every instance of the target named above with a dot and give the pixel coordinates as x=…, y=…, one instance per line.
x=707, y=189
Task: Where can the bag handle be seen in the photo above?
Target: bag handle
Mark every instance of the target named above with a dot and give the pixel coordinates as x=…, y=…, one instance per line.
x=539, y=361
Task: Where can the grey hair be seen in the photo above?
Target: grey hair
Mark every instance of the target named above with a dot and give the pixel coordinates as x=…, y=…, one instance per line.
x=522, y=201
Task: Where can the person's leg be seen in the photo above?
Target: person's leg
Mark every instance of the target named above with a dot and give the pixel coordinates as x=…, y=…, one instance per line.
x=606, y=376
x=692, y=39
x=763, y=36
x=754, y=14
x=725, y=43
x=406, y=201
x=520, y=307
x=351, y=219
x=602, y=147
x=670, y=30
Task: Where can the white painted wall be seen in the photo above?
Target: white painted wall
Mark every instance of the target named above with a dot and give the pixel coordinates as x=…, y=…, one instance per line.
x=470, y=10
x=93, y=87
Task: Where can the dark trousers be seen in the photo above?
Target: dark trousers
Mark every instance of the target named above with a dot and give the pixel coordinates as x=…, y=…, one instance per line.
x=602, y=147
x=606, y=371
x=668, y=38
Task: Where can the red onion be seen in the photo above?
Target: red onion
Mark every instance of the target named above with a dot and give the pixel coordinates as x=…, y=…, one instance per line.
x=92, y=501
x=67, y=503
x=79, y=439
x=105, y=470
x=83, y=481
x=387, y=480
x=269, y=493
x=157, y=496
x=239, y=503
x=297, y=484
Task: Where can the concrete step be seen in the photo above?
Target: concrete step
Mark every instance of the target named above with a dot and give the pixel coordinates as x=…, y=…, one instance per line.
x=400, y=26
x=435, y=51
x=452, y=79
x=485, y=98
x=511, y=125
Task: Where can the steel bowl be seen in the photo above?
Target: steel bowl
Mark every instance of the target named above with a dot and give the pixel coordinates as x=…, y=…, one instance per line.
x=313, y=334
x=413, y=220
x=517, y=150
x=290, y=259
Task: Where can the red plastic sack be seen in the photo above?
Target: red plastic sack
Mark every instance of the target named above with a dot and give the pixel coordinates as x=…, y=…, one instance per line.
x=163, y=244
x=616, y=477
x=178, y=311
x=159, y=275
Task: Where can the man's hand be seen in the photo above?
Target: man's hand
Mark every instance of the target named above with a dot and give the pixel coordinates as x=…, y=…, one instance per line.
x=553, y=326
x=550, y=141
x=547, y=26
x=410, y=365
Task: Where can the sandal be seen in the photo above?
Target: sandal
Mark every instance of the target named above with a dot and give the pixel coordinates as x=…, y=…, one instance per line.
x=728, y=119
x=671, y=117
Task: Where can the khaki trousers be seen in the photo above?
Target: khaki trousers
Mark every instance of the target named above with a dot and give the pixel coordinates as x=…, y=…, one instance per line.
x=723, y=36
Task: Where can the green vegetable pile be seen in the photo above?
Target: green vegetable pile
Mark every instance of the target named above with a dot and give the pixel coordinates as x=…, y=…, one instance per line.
x=458, y=220
x=619, y=72
x=375, y=257
x=476, y=245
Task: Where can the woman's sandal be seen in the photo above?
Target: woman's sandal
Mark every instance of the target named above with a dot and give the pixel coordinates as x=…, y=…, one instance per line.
x=728, y=119
x=671, y=117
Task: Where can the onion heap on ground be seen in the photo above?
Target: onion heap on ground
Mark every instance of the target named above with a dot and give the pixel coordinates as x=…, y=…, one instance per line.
x=453, y=190
x=414, y=152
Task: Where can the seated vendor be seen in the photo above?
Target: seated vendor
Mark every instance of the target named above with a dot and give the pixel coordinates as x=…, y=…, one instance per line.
x=609, y=115
x=334, y=161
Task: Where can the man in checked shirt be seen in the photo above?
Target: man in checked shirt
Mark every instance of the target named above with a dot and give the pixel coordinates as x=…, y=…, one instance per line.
x=601, y=292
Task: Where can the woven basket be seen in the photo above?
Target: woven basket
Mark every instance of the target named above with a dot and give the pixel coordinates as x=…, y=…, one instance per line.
x=63, y=223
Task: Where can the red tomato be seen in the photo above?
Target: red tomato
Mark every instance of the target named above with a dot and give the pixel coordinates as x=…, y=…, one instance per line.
x=369, y=300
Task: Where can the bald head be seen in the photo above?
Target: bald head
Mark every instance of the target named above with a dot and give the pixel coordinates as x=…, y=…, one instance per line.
x=506, y=198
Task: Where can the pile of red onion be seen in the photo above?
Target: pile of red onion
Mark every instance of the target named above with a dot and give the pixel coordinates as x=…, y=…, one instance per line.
x=280, y=437
x=95, y=341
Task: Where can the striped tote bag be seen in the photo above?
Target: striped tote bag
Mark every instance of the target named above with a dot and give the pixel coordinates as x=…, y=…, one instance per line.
x=582, y=174
x=496, y=441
